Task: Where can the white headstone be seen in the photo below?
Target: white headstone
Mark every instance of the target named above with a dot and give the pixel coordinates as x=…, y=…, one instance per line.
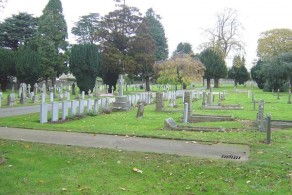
x=43, y=97
x=83, y=95
x=73, y=107
x=89, y=105
x=55, y=111
x=95, y=108
x=51, y=97
x=44, y=113
x=81, y=107
x=64, y=110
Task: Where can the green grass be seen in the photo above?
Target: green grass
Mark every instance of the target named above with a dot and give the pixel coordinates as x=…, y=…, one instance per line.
x=49, y=169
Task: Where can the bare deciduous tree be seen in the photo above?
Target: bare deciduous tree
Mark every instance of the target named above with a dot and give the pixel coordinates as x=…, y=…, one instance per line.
x=225, y=36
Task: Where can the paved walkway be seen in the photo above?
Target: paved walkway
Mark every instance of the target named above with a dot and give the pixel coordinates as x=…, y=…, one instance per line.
x=162, y=146
x=14, y=111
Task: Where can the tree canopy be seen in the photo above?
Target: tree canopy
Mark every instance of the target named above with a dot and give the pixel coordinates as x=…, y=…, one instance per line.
x=226, y=34
x=52, y=42
x=180, y=69
x=184, y=48
x=274, y=42
x=88, y=28
x=143, y=51
x=238, y=71
x=85, y=63
x=7, y=67
x=158, y=35
x=215, y=66
x=18, y=30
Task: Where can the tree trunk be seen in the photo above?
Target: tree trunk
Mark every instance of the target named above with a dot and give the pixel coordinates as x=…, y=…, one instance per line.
x=184, y=86
x=4, y=83
x=216, y=83
x=147, y=83
x=54, y=81
x=208, y=83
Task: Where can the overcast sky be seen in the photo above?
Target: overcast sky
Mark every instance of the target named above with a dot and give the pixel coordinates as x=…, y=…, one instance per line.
x=183, y=20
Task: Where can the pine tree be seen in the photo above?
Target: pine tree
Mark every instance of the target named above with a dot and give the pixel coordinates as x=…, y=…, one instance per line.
x=158, y=34
x=53, y=31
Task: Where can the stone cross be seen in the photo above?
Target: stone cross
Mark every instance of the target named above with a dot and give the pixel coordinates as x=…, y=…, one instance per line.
x=121, y=83
x=44, y=88
x=35, y=88
x=28, y=88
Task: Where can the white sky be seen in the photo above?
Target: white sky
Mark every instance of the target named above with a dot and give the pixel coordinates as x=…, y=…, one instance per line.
x=183, y=20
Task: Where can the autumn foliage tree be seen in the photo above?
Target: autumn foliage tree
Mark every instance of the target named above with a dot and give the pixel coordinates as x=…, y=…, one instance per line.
x=180, y=69
x=274, y=42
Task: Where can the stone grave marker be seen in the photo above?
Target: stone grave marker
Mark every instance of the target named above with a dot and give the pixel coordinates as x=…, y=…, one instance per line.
x=73, y=107
x=261, y=115
x=1, y=94
x=35, y=88
x=81, y=107
x=89, y=105
x=35, y=99
x=11, y=99
x=64, y=110
x=186, y=112
x=188, y=100
x=95, y=106
x=159, y=102
x=51, y=97
x=43, y=97
x=43, y=113
x=83, y=95
x=55, y=111
x=140, y=112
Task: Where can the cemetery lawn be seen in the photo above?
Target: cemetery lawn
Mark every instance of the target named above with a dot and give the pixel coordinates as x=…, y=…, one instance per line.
x=31, y=168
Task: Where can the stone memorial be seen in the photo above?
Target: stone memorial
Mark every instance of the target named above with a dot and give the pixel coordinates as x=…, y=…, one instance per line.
x=140, y=112
x=188, y=100
x=81, y=107
x=159, y=102
x=95, y=106
x=64, y=110
x=121, y=101
x=11, y=99
x=186, y=112
x=89, y=105
x=43, y=113
x=35, y=88
x=73, y=107
x=1, y=94
x=51, y=97
x=55, y=111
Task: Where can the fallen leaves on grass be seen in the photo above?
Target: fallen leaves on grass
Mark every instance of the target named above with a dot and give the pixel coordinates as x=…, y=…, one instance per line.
x=137, y=170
